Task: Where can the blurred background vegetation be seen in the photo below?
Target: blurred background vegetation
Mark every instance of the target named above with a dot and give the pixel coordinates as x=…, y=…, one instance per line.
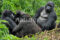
x=27, y=6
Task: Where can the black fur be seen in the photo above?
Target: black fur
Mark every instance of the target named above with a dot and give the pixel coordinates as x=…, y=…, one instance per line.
x=26, y=26
x=8, y=13
x=50, y=23
x=17, y=17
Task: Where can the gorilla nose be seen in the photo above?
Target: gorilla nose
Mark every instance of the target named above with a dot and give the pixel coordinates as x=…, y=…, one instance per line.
x=48, y=8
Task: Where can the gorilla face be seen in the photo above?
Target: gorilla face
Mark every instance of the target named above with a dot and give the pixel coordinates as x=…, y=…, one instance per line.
x=8, y=13
x=49, y=7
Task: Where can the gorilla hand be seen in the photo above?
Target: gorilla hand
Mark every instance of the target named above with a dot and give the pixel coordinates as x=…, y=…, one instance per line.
x=45, y=26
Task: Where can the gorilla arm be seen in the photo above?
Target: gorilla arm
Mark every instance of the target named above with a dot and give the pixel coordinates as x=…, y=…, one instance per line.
x=12, y=24
x=38, y=13
x=19, y=27
x=51, y=20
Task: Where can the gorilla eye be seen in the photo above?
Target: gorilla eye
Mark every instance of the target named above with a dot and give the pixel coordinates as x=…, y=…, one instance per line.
x=50, y=5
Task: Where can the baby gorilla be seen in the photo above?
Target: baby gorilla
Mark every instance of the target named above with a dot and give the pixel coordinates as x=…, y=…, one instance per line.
x=26, y=26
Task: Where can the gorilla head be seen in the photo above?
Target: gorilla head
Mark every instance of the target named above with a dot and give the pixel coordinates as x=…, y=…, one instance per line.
x=49, y=6
x=7, y=13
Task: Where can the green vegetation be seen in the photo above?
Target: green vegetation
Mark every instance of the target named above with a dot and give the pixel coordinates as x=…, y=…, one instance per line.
x=29, y=7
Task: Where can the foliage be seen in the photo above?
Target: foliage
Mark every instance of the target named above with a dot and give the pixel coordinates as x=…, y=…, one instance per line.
x=29, y=7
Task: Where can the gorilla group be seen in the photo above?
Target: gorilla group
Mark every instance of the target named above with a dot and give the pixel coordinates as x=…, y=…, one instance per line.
x=46, y=17
x=25, y=26
x=21, y=24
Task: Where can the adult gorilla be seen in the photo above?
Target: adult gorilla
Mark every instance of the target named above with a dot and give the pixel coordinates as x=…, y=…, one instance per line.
x=26, y=26
x=46, y=17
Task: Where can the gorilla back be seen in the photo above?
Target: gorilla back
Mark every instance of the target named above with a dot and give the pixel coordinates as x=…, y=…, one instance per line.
x=26, y=26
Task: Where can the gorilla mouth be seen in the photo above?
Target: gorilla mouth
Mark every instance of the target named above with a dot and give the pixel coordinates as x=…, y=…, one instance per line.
x=48, y=11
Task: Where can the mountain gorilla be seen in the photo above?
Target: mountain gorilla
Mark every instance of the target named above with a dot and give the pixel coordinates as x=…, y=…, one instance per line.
x=26, y=26
x=46, y=17
x=7, y=13
x=12, y=16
